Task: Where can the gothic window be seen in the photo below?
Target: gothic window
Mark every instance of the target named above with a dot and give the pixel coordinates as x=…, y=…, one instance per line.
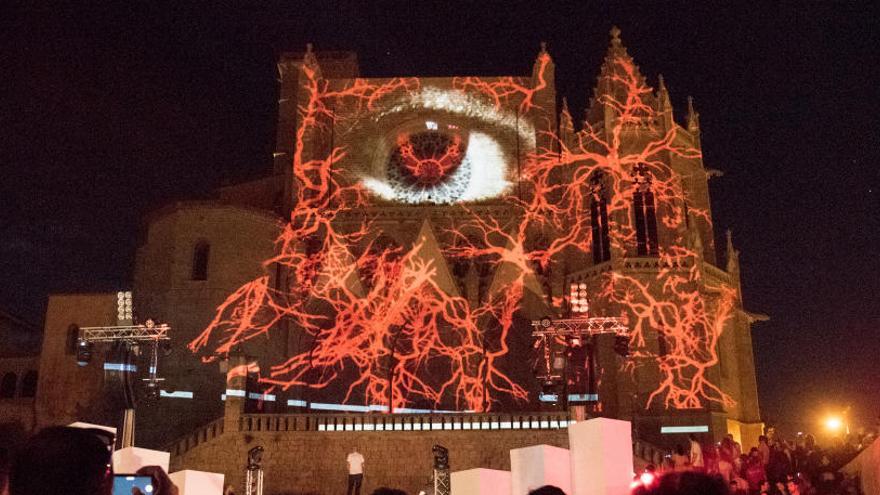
x=7, y=385
x=599, y=220
x=200, y=260
x=29, y=384
x=645, y=213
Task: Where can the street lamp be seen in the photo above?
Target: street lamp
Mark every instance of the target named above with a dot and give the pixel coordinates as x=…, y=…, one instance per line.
x=836, y=424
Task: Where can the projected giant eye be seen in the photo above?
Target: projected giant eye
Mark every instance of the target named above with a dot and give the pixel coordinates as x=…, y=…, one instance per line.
x=443, y=167
x=454, y=157
x=426, y=159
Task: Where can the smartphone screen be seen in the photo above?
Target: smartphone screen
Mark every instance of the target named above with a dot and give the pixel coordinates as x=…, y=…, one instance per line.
x=131, y=484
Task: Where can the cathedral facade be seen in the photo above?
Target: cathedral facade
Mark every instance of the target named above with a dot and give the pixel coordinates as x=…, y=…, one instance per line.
x=412, y=237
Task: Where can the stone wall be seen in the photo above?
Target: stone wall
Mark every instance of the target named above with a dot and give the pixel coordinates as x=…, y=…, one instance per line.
x=239, y=239
x=303, y=459
x=18, y=411
x=67, y=392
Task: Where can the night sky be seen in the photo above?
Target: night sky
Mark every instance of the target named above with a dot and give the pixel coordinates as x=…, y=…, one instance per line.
x=109, y=114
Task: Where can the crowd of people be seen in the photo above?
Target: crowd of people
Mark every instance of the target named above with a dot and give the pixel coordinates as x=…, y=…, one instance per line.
x=775, y=466
x=72, y=461
x=78, y=462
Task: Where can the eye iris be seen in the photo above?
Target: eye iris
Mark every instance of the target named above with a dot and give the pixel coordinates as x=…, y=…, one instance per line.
x=427, y=158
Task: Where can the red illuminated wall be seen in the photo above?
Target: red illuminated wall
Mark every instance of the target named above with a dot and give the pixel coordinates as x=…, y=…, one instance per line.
x=431, y=219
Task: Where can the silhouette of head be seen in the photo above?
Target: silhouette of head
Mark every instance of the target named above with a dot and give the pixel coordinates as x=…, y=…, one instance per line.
x=72, y=461
x=547, y=490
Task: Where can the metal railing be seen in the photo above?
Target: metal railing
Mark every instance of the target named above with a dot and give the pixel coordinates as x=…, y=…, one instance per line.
x=403, y=422
x=125, y=332
x=475, y=422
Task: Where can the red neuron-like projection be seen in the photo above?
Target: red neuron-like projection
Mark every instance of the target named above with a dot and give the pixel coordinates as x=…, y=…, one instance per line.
x=377, y=316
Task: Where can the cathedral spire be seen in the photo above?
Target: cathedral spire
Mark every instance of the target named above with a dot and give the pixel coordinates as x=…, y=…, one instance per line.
x=310, y=61
x=566, y=124
x=664, y=104
x=543, y=67
x=693, y=121
x=617, y=58
x=617, y=66
x=615, y=36
x=662, y=93
x=693, y=118
x=732, y=254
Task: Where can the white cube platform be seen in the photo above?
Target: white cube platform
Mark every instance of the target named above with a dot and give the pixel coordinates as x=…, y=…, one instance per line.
x=197, y=482
x=539, y=465
x=481, y=482
x=130, y=459
x=80, y=424
x=601, y=457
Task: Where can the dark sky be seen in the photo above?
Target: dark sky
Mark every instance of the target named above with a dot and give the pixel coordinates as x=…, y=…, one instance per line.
x=108, y=114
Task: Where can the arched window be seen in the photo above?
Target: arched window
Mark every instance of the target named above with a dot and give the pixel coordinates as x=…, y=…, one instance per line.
x=200, y=260
x=645, y=212
x=599, y=220
x=7, y=385
x=29, y=384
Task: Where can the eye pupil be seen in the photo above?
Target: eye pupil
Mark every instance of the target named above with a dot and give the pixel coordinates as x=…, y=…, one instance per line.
x=427, y=158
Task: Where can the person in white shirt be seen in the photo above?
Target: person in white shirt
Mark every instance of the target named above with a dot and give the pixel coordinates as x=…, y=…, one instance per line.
x=696, y=455
x=355, y=471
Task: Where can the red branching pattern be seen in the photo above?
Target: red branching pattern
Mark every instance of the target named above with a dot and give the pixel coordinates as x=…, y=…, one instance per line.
x=380, y=309
x=428, y=162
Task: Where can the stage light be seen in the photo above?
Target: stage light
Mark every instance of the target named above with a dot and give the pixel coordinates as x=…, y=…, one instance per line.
x=151, y=390
x=578, y=299
x=83, y=352
x=124, y=306
x=647, y=478
x=441, y=457
x=834, y=423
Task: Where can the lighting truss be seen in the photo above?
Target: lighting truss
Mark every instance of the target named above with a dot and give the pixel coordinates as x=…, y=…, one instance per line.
x=125, y=333
x=580, y=327
x=571, y=332
x=132, y=334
